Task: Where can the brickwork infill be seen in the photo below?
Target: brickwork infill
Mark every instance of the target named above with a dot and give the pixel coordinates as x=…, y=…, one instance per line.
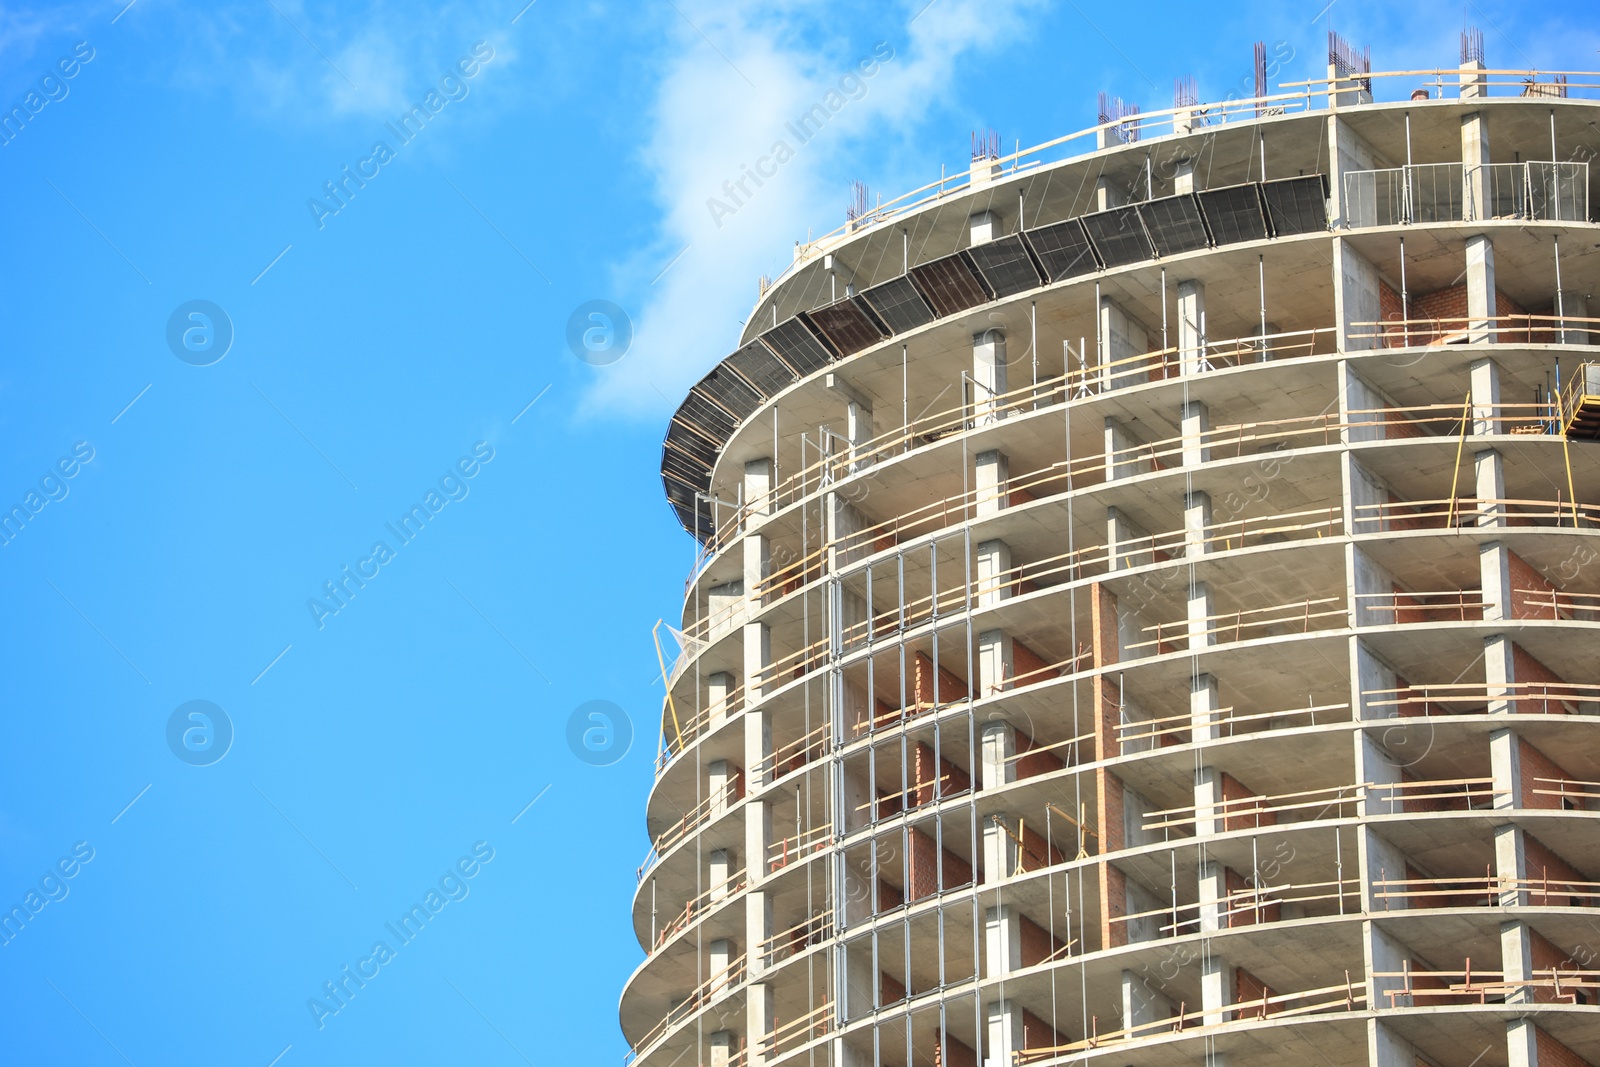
x=922, y=867
x=1543, y=865
x=1553, y=1053
x=1536, y=765
x=1528, y=587
x=1448, y=307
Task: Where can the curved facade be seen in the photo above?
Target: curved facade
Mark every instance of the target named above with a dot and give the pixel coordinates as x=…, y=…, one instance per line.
x=1146, y=611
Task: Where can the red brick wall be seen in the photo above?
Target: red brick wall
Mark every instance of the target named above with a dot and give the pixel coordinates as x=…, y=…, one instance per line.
x=1542, y=863
x=1103, y=623
x=952, y=779
x=1036, y=852
x=1449, y=305
x=951, y=687
x=1536, y=764
x=953, y=1053
x=1546, y=957
x=1247, y=990
x=1027, y=664
x=1246, y=915
x=1524, y=577
x=1036, y=1033
x=890, y=991
x=1553, y=1053
x=1530, y=671
x=922, y=863
x=1235, y=790
x=1037, y=944
x=1039, y=762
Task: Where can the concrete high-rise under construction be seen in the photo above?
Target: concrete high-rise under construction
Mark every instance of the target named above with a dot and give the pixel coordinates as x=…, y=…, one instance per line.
x=1145, y=602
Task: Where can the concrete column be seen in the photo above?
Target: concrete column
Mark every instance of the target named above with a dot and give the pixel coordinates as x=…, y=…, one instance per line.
x=757, y=930
x=721, y=955
x=999, y=850
x=718, y=687
x=1473, y=79
x=1383, y=953
x=1123, y=457
x=1499, y=672
x=757, y=658
x=720, y=779
x=1002, y=941
x=1208, y=817
x=1139, y=1004
x=1375, y=681
x=995, y=662
x=858, y=420
x=991, y=483
x=988, y=375
x=1522, y=1043
x=758, y=485
x=1196, y=524
x=720, y=873
x=994, y=577
x=722, y=1048
x=1183, y=175
x=1480, y=289
x=1004, y=1033
x=1474, y=158
x=1213, y=893
x=1196, y=425
x=1192, y=326
x=759, y=1011
x=1494, y=578
x=999, y=751
x=1125, y=545
x=983, y=227
x=1510, y=864
x=1370, y=588
x=1376, y=768
x=1217, y=988
x=1106, y=195
x=1204, y=708
x=1505, y=768
x=1355, y=298
x=1489, y=472
x=1122, y=337
x=757, y=568
x=1575, y=306
x=1385, y=1048
x=1486, y=417
x=1516, y=959
x=1348, y=94
x=1201, y=608
x=724, y=604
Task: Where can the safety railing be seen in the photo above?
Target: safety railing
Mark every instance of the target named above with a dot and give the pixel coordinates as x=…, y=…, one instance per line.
x=1465, y=511
x=781, y=853
x=785, y=1036
x=1241, y=625
x=722, y=982
x=1402, y=332
x=1405, y=606
x=696, y=907
x=1086, y=380
x=812, y=930
x=1467, y=986
x=1329, y=802
x=1467, y=698
x=1252, y=906
x=1559, y=605
x=1231, y=722
x=693, y=819
x=1567, y=791
x=1349, y=996
x=1535, y=190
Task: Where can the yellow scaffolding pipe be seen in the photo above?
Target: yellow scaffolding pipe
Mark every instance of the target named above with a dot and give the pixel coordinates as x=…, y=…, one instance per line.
x=655, y=634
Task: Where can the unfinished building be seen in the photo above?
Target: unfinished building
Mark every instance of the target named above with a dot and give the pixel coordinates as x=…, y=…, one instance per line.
x=1142, y=601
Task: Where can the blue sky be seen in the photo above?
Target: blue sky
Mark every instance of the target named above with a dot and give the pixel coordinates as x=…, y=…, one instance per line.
x=185, y=518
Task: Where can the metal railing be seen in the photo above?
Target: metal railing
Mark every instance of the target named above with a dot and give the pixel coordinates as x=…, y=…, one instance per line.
x=1535, y=190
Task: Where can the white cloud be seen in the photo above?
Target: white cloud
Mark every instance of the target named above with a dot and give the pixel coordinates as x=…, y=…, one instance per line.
x=714, y=114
